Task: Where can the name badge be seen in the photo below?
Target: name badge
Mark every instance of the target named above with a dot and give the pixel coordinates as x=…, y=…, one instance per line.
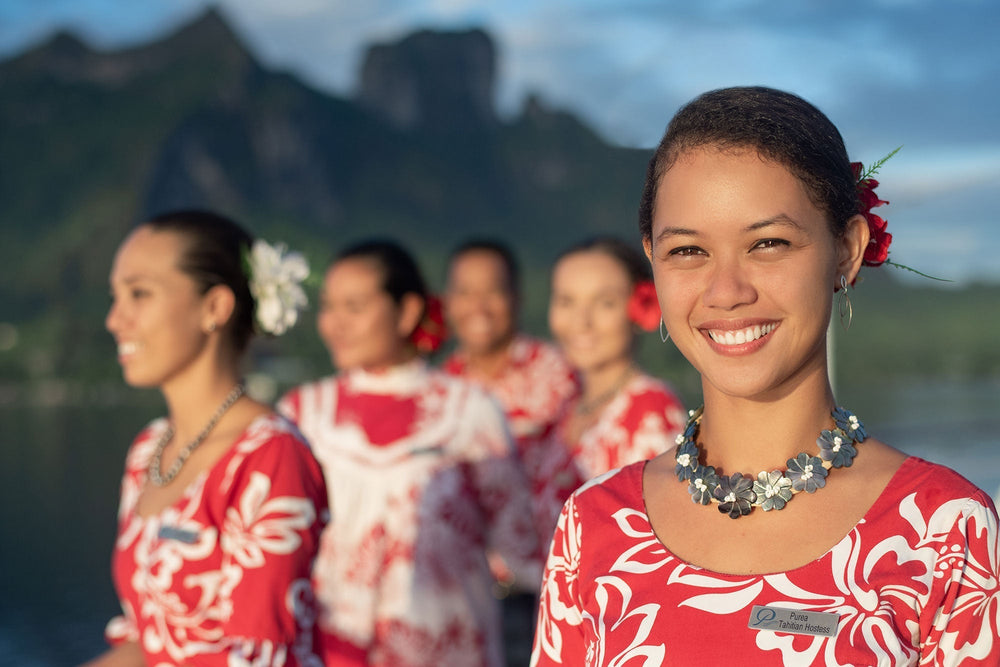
x=179, y=534
x=794, y=621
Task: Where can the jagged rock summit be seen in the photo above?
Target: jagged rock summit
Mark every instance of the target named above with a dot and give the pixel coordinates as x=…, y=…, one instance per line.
x=432, y=80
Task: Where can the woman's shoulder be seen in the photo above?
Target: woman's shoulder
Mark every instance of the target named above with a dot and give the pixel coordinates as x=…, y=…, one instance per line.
x=646, y=393
x=272, y=444
x=923, y=491
x=935, y=480
x=618, y=488
x=307, y=396
x=645, y=387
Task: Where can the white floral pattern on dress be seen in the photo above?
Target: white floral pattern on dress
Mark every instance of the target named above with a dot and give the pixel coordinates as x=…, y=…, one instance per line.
x=179, y=573
x=915, y=582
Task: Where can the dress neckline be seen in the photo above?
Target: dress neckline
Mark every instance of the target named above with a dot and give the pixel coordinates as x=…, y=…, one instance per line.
x=408, y=377
x=883, y=499
x=198, y=482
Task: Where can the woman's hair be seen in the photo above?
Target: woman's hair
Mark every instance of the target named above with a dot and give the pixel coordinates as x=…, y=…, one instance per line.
x=212, y=254
x=633, y=261
x=400, y=274
x=780, y=127
x=499, y=250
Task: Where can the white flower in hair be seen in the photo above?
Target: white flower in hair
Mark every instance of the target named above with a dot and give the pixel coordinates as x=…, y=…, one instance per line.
x=275, y=283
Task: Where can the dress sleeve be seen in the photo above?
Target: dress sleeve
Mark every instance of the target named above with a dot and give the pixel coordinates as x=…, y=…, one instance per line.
x=559, y=638
x=963, y=613
x=503, y=493
x=274, y=511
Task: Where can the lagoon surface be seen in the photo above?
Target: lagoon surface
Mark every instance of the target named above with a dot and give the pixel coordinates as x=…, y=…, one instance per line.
x=60, y=470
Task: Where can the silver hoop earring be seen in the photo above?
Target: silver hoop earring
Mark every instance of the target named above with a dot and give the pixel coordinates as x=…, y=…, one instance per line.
x=664, y=334
x=844, y=305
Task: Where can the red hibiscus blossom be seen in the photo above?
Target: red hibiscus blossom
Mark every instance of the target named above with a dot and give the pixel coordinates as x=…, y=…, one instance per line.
x=877, y=251
x=643, y=307
x=431, y=332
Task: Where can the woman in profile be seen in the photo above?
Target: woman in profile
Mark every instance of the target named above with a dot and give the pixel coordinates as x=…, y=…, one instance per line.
x=422, y=475
x=222, y=503
x=778, y=532
x=602, y=297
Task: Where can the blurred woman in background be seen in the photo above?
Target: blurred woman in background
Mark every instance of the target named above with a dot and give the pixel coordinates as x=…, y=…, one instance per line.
x=222, y=503
x=602, y=295
x=422, y=475
x=529, y=377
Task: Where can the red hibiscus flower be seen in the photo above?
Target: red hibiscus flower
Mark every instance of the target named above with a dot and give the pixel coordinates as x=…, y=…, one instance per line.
x=431, y=332
x=877, y=251
x=643, y=307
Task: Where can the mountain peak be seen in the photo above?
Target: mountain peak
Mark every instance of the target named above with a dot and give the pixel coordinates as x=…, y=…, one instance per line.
x=432, y=80
x=64, y=56
x=209, y=30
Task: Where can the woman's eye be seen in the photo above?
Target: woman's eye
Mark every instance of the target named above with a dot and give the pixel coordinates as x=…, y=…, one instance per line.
x=686, y=251
x=768, y=244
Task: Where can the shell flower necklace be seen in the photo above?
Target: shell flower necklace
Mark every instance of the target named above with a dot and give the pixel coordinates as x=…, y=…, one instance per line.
x=155, y=472
x=738, y=494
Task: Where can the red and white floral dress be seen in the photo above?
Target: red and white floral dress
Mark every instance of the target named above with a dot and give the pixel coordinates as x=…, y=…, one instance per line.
x=917, y=581
x=641, y=421
x=532, y=388
x=222, y=576
x=423, y=480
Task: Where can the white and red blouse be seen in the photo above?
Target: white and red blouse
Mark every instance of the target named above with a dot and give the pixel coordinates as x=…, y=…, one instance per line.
x=222, y=576
x=533, y=388
x=916, y=582
x=423, y=480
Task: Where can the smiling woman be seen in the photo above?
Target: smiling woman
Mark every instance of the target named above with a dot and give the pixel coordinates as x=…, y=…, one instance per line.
x=222, y=502
x=845, y=550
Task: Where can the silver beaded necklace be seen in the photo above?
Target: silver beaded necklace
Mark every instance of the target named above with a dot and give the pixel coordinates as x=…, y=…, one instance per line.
x=156, y=474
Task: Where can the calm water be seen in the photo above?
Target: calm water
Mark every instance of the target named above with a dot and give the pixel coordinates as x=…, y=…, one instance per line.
x=60, y=469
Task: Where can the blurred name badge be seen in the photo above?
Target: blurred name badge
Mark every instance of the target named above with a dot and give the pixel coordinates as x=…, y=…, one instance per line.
x=794, y=621
x=179, y=534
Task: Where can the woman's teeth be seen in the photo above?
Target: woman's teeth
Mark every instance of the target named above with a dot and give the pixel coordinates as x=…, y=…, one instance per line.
x=127, y=348
x=741, y=336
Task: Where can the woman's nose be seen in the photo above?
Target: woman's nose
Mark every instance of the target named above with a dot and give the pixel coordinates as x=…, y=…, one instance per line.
x=729, y=286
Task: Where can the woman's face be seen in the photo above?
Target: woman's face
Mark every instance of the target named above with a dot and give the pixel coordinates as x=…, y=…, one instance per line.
x=745, y=269
x=157, y=317
x=480, y=304
x=358, y=321
x=588, y=310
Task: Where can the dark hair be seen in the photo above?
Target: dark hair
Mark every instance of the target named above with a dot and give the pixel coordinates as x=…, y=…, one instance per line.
x=500, y=250
x=400, y=275
x=213, y=252
x=633, y=261
x=781, y=127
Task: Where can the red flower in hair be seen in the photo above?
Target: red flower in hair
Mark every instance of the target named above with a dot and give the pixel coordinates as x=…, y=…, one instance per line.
x=643, y=307
x=879, y=240
x=431, y=332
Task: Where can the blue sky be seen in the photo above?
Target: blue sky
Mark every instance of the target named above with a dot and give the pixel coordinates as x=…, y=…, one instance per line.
x=919, y=73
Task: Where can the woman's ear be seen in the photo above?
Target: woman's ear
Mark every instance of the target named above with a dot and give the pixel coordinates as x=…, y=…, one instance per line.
x=411, y=312
x=218, y=305
x=851, y=248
